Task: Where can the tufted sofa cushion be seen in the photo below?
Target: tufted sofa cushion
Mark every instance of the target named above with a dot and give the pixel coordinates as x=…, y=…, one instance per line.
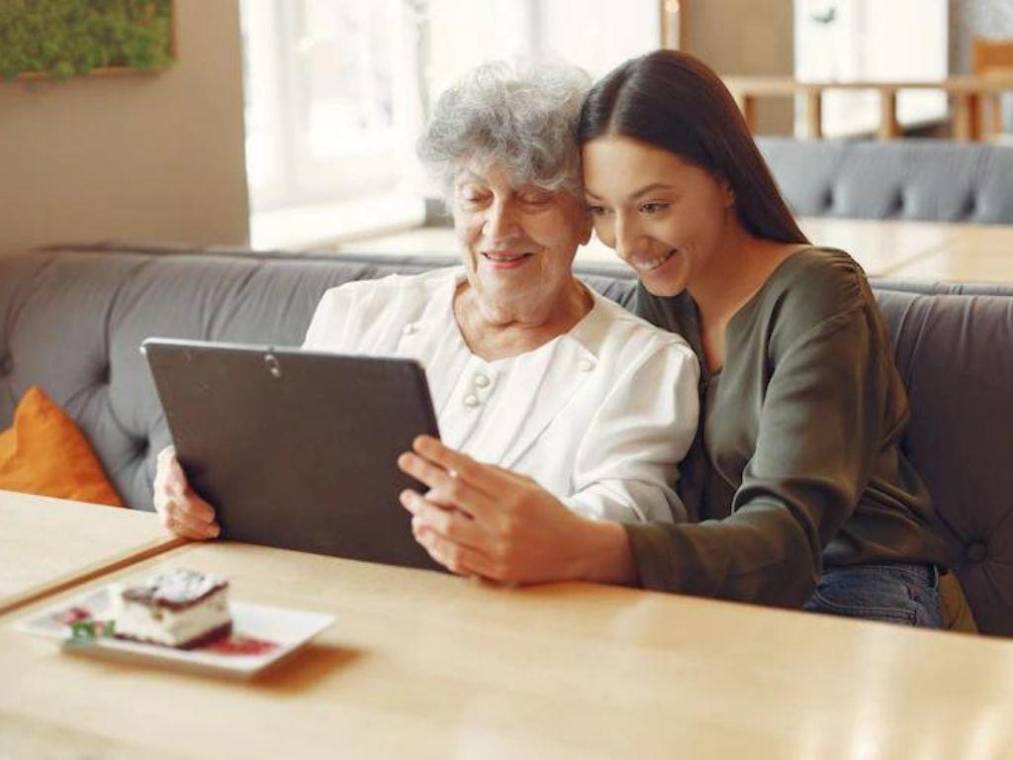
x=933, y=180
x=71, y=320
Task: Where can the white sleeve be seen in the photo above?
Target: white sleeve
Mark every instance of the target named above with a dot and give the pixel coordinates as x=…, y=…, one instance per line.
x=627, y=463
x=335, y=324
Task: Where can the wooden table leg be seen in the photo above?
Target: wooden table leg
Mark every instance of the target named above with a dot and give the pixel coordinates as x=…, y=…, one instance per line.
x=994, y=101
x=966, y=116
x=747, y=104
x=889, y=128
x=974, y=107
x=814, y=114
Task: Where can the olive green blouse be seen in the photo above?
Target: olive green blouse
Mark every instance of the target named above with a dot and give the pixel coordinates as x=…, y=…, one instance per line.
x=796, y=465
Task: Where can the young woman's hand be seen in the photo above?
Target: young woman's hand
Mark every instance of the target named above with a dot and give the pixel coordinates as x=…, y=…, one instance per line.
x=480, y=519
x=181, y=510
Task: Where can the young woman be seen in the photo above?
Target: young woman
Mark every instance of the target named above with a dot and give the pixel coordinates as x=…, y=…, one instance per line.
x=799, y=493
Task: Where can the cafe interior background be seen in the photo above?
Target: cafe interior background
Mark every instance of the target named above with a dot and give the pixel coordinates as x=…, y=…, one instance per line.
x=207, y=183
x=270, y=133
x=290, y=124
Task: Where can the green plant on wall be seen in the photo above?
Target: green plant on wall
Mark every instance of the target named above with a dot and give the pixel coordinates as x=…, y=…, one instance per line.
x=64, y=38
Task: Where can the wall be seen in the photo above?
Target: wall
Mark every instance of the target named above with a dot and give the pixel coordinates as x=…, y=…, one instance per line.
x=976, y=18
x=745, y=37
x=141, y=157
x=980, y=18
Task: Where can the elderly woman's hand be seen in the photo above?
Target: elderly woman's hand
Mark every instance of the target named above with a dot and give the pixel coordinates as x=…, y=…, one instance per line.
x=181, y=510
x=479, y=519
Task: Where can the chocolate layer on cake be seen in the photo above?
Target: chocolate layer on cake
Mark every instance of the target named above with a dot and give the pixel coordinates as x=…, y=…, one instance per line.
x=175, y=589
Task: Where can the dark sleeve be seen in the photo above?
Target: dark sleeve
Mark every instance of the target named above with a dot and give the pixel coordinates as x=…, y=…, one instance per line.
x=820, y=429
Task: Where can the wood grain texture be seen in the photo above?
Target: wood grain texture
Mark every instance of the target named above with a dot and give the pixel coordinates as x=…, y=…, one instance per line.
x=966, y=92
x=427, y=665
x=48, y=545
x=880, y=246
x=970, y=253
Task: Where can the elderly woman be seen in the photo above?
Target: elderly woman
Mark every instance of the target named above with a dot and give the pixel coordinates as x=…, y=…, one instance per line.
x=528, y=368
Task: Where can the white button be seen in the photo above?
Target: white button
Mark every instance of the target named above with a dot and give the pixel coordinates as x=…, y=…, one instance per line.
x=470, y=400
x=410, y=329
x=481, y=380
x=586, y=365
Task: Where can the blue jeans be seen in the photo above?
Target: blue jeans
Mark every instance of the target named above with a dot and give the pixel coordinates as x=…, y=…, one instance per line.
x=893, y=593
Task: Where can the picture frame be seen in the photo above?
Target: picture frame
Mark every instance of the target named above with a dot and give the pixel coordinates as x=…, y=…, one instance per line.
x=62, y=39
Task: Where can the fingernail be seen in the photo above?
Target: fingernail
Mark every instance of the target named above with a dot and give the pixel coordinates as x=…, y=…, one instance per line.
x=215, y=530
x=405, y=497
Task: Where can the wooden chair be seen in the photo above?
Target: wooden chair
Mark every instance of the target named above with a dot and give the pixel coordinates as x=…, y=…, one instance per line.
x=991, y=56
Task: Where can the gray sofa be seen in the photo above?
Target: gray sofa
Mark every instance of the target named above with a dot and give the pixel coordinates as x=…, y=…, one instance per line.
x=928, y=180
x=72, y=318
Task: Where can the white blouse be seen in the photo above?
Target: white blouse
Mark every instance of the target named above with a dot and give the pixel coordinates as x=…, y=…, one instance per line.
x=599, y=416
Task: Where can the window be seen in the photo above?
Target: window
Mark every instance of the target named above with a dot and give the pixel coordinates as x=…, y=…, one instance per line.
x=337, y=92
x=871, y=40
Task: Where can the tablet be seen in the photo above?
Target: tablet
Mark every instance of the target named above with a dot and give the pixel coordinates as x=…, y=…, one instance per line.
x=297, y=449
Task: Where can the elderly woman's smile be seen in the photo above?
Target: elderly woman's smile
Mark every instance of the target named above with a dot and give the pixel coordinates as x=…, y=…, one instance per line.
x=506, y=259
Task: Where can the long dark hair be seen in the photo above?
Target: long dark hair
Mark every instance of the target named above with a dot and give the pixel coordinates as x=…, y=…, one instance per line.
x=674, y=101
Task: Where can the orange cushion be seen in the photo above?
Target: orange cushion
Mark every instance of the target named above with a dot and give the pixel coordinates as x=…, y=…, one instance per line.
x=44, y=453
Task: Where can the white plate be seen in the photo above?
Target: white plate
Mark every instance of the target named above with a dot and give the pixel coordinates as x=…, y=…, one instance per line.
x=275, y=631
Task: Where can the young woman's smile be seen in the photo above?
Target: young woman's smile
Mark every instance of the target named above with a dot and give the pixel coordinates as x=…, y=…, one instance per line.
x=662, y=215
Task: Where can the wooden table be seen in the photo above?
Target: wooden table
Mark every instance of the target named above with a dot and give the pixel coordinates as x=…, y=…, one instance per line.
x=974, y=253
x=932, y=251
x=967, y=92
x=423, y=664
x=885, y=248
x=880, y=246
x=49, y=544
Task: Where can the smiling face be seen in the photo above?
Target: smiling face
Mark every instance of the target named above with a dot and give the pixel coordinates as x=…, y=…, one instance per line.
x=518, y=241
x=665, y=217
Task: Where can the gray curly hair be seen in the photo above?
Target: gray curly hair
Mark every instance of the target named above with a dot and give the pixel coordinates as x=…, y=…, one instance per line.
x=521, y=114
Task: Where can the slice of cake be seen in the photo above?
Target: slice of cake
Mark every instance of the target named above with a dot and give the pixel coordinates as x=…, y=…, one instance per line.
x=178, y=608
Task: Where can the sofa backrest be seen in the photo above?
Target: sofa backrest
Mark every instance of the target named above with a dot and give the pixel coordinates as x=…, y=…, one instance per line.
x=72, y=320
x=954, y=349
x=929, y=180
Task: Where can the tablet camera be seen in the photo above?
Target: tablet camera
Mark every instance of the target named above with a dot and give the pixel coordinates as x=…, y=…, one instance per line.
x=272, y=365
